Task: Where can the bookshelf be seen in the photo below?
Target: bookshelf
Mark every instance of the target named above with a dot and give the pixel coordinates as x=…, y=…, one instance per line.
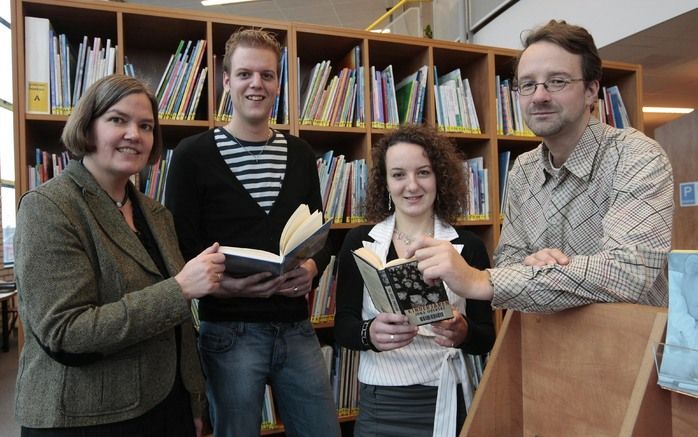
x=149, y=35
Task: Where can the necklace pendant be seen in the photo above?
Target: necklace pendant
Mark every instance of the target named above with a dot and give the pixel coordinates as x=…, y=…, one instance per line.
x=408, y=239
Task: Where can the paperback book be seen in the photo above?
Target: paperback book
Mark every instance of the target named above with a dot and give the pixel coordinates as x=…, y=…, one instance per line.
x=398, y=287
x=302, y=237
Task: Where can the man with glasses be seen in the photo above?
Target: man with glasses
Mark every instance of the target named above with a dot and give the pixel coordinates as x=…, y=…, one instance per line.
x=589, y=211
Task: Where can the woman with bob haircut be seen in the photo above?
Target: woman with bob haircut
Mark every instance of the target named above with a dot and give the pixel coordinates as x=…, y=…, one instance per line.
x=104, y=294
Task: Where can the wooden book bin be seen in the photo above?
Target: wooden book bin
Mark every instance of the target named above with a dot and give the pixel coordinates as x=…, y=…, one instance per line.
x=584, y=372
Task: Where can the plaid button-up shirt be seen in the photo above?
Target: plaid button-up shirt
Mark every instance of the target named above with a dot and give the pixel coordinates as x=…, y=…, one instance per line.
x=609, y=208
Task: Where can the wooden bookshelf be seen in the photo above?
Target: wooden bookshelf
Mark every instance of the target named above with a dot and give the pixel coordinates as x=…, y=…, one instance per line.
x=149, y=35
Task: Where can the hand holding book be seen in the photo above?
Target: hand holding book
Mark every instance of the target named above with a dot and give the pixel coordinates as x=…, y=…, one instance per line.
x=439, y=261
x=302, y=237
x=390, y=331
x=398, y=287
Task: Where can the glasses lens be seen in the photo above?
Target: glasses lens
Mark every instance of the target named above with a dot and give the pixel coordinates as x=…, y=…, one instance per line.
x=555, y=84
x=527, y=88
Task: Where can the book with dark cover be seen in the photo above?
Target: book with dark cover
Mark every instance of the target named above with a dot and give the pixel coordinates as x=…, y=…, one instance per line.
x=398, y=287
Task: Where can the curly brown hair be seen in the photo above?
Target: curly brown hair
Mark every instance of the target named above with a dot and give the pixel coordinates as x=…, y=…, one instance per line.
x=446, y=162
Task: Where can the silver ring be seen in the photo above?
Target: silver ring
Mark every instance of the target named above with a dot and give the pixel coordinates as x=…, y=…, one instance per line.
x=392, y=337
x=295, y=289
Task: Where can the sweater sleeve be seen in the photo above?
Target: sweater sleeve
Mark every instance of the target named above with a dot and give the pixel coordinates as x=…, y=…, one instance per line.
x=481, y=333
x=350, y=291
x=183, y=197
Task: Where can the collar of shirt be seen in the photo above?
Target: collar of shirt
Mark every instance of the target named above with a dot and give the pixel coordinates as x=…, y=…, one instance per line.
x=582, y=159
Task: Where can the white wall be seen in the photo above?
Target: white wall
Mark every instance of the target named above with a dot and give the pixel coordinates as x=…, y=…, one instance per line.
x=607, y=20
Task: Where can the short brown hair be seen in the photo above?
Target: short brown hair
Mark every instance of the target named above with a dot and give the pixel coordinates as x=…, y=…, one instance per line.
x=252, y=38
x=574, y=39
x=97, y=100
x=446, y=162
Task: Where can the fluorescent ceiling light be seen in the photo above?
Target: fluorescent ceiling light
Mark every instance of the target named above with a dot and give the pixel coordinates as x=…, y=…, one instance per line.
x=660, y=110
x=222, y=2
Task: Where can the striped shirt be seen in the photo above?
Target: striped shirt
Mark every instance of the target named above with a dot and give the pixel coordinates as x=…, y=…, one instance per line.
x=259, y=166
x=609, y=208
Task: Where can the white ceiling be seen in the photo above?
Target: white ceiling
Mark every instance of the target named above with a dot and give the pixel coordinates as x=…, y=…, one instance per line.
x=667, y=51
x=357, y=14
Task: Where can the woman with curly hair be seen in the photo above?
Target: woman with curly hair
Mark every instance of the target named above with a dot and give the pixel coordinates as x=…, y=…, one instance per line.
x=408, y=374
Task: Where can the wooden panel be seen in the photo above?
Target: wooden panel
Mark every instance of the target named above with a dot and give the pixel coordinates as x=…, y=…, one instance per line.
x=497, y=407
x=685, y=415
x=582, y=355
x=680, y=140
x=579, y=372
x=649, y=409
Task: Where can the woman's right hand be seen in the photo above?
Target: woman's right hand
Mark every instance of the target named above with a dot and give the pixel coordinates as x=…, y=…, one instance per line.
x=202, y=275
x=391, y=331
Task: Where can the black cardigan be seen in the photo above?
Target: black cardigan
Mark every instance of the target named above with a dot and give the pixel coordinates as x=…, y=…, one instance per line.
x=210, y=205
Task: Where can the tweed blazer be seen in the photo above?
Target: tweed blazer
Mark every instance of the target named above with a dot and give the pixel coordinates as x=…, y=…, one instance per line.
x=99, y=317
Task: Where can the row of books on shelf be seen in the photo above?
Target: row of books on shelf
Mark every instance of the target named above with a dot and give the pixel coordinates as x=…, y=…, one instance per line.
x=338, y=101
x=279, y=111
x=152, y=179
x=478, y=205
x=611, y=109
x=56, y=77
x=510, y=119
x=395, y=104
x=343, y=187
x=46, y=165
x=179, y=88
x=455, y=106
x=322, y=302
x=343, y=368
x=342, y=184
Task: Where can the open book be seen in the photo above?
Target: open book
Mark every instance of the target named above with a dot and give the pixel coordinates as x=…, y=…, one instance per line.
x=302, y=237
x=398, y=287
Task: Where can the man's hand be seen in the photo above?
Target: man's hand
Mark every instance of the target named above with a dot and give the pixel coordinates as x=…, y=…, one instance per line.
x=439, y=261
x=299, y=281
x=546, y=257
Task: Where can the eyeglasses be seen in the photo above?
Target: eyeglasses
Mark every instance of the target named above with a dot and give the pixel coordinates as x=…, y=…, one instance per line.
x=552, y=85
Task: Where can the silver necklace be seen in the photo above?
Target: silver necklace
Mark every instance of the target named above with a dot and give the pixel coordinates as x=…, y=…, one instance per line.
x=254, y=155
x=408, y=239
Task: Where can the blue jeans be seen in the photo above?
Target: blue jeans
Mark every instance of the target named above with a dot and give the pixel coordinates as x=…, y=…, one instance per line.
x=240, y=357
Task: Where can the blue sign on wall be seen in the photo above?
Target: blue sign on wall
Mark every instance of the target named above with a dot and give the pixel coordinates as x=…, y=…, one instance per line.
x=688, y=195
